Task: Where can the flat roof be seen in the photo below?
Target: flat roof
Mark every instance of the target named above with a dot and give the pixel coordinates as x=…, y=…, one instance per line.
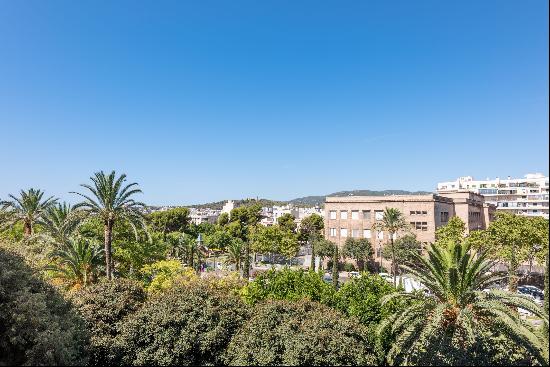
x=388, y=198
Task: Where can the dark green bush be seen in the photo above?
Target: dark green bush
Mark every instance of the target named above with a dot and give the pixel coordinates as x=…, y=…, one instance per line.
x=360, y=297
x=104, y=306
x=37, y=326
x=443, y=348
x=300, y=333
x=290, y=285
x=186, y=325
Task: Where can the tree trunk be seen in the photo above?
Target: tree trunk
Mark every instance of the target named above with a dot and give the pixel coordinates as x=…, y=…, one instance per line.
x=360, y=264
x=246, y=268
x=28, y=228
x=312, y=265
x=335, y=273
x=512, y=273
x=393, y=261
x=108, y=237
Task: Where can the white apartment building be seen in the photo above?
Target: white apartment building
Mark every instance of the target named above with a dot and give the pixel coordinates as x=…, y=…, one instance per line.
x=270, y=215
x=199, y=216
x=228, y=207
x=523, y=196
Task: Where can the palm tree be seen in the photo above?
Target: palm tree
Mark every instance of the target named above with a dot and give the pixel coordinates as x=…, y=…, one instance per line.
x=392, y=222
x=60, y=221
x=111, y=202
x=459, y=310
x=194, y=251
x=28, y=208
x=76, y=261
x=235, y=252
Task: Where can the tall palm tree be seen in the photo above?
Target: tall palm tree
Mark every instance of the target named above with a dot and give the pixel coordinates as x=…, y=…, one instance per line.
x=28, y=209
x=111, y=202
x=76, y=261
x=392, y=222
x=235, y=252
x=60, y=221
x=193, y=251
x=458, y=312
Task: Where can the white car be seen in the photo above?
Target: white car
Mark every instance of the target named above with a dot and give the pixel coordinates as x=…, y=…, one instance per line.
x=354, y=274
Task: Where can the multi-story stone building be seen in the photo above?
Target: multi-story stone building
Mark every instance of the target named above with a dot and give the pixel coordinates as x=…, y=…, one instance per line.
x=354, y=216
x=523, y=196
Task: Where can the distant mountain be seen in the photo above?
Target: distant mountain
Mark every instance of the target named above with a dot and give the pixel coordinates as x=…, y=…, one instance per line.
x=309, y=201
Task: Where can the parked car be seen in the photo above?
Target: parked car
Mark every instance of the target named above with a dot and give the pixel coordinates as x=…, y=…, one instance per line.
x=354, y=274
x=532, y=292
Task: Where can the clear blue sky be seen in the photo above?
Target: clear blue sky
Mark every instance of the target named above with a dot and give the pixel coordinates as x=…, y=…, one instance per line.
x=209, y=100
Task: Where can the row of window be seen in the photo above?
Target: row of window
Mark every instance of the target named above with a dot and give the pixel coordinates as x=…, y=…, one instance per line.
x=356, y=233
x=366, y=214
x=418, y=212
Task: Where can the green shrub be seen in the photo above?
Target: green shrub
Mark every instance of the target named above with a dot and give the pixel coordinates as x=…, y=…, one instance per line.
x=104, y=306
x=37, y=326
x=290, y=285
x=299, y=333
x=453, y=349
x=360, y=297
x=162, y=275
x=189, y=324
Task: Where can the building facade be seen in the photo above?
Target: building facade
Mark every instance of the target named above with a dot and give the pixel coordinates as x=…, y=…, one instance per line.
x=199, y=216
x=523, y=196
x=271, y=214
x=354, y=216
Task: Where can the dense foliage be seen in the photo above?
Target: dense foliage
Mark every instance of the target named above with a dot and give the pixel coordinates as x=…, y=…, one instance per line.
x=460, y=321
x=300, y=334
x=37, y=326
x=401, y=249
x=359, y=249
x=288, y=285
x=361, y=298
x=187, y=325
x=104, y=306
x=170, y=315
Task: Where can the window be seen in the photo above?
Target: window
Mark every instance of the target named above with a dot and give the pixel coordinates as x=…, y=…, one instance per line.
x=379, y=214
x=419, y=226
x=333, y=232
x=343, y=232
x=444, y=217
x=424, y=212
x=355, y=214
x=343, y=214
x=333, y=214
x=366, y=233
x=412, y=212
x=418, y=212
x=355, y=233
x=366, y=214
